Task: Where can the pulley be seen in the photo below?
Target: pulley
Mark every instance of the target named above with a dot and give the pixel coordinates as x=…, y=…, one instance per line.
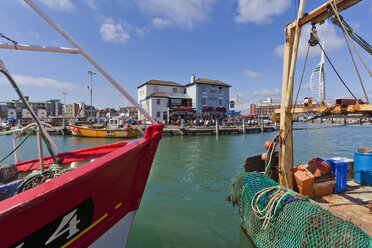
x=314, y=39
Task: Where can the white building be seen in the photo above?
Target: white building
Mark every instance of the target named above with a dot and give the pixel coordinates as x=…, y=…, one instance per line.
x=161, y=98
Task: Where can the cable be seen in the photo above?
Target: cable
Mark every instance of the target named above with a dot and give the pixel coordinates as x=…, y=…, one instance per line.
x=11, y=152
x=50, y=149
x=334, y=7
x=337, y=72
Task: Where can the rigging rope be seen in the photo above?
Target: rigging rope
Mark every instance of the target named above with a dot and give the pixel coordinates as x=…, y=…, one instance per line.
x=275, y=202
x=334, y=7
x=13, y=41
x=15, y=148
x=302, y=76
x=364, y=44
x=337, y=72
x=355, y=66
x=48, y=145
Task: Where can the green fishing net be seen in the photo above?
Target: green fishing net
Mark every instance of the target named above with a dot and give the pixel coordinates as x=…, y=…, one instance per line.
x=297, y=222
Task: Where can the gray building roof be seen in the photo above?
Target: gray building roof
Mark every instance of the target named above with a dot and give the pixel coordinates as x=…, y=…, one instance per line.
x=209, y=81
x=159, y=82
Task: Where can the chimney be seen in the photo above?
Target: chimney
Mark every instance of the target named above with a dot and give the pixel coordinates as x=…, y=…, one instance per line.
x=192, y=78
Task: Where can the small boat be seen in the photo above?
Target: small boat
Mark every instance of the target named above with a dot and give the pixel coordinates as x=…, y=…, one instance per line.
x=114, y=129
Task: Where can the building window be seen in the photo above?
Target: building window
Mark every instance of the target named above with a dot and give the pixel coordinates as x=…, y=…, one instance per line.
x=176, y=102
x=204, y=101
x=156, y=88
x=158, y=101
x=174, y=90
x=204, y=89
x=220, y=90
x=220, y=102
x=158, y=114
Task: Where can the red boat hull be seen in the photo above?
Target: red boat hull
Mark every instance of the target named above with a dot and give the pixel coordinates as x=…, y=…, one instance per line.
x=75, y=209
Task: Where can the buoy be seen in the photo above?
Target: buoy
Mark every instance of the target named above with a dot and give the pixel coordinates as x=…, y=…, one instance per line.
x=263, y=156
x=268, y=144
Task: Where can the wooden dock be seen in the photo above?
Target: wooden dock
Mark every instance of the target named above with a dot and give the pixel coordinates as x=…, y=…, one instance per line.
x=353, y=205
x=212, y=130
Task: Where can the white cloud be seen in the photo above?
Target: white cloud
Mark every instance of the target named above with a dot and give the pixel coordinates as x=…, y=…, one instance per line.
x=260, y=11
x=241, y=102
x=306, y=86
x=182, y=13
x=91, y=4
x=140, y=31
x=326, y=33
x=279, y=51
x=61, y=5
x=34, y=34
x=161, y=23
x=252, y=74
x=40, y=82
x=273, y=93
x=113, y=32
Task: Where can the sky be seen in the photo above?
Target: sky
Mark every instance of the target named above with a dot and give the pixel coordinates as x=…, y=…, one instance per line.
x=239, y=42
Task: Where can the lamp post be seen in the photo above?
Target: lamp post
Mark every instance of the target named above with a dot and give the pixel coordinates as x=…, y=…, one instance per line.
x=91, y=91
x=64, y=129
x=64, y=96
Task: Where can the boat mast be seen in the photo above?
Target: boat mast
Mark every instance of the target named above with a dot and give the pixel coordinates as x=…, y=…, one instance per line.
x=292, y=38
x=292, y=35
x=78, y=49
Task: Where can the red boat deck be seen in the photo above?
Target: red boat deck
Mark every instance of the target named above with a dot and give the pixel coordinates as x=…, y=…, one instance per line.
x=76, y=208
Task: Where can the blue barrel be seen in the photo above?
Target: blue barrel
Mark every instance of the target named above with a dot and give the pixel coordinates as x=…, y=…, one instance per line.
x=363, y=168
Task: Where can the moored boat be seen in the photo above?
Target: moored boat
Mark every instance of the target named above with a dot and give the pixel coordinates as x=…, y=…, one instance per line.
x=80, y=198
x=114, y=129
x=271, y=212
x=93, y=204
x=104, y=133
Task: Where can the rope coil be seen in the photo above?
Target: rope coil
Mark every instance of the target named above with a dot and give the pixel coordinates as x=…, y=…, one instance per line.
x=277, y=200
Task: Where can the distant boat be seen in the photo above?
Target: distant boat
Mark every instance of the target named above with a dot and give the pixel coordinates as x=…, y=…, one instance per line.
x=114, y=129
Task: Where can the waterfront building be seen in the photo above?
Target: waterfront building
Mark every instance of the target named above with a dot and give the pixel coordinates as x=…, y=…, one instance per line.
x=164, y=100
x=264, y=108
x=16, y=109
x=78, y=109
x=210, y=98
x=129, y=112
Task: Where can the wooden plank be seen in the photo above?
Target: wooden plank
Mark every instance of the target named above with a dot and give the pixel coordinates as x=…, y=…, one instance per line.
x=350, y=205
x=321, y=13
x=286, y=138
x=342, y=111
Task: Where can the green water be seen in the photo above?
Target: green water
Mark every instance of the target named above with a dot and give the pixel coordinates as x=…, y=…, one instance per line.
x=184, y=201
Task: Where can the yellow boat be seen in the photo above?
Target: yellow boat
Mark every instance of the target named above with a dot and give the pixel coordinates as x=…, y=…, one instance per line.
x=113, y=130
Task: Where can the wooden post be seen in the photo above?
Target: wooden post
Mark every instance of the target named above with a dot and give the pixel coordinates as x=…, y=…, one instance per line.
x=292, y=37
x=217, y=126
x=244, y=127
x=262, y=125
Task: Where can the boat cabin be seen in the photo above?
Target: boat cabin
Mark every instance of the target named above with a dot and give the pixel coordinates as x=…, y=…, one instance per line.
x=115, y=123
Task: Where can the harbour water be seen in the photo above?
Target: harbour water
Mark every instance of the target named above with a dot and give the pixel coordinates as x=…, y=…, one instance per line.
x=184, y=201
